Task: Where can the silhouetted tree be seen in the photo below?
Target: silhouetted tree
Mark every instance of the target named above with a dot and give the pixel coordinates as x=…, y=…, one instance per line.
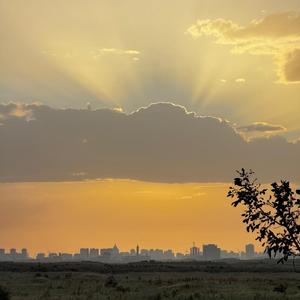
x=272, y=214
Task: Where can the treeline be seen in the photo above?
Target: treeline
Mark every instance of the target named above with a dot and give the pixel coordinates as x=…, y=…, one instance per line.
x=151, y=266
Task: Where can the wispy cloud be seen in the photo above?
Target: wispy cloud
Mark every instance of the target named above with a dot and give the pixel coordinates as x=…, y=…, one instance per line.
x=240, y=80
x=261, y=127
x=114, y=51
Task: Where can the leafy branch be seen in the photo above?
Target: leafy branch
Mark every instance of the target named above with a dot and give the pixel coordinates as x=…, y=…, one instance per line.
x=272, y=214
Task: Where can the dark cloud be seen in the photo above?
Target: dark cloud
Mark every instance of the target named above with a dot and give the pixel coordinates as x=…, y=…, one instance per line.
x=162, y=142
x=261, y=127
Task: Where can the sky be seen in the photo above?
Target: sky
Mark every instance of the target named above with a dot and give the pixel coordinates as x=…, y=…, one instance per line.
x=173, y=94
x=126, y=212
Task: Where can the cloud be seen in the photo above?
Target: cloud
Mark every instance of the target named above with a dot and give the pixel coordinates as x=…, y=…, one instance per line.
x=261, y=127
x=15, y=110
x=240, y=80
x=277, y=27
x=130, y=52
x=277, y=35
x=162, y=142
x=290, y=67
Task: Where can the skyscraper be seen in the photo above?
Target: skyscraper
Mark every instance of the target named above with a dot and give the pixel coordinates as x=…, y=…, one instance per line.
x=250, y=252
x=194, y=251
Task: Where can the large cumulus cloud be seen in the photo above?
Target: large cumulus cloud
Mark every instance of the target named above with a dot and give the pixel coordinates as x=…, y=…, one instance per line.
x=162, y=142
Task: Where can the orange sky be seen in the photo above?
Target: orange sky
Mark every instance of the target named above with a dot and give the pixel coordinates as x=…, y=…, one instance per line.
x=67, y=216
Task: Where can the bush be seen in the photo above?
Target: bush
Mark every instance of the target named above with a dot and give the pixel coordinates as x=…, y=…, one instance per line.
x=281, y=288
x=122, y=289
x=4, y=294
x=111, y=281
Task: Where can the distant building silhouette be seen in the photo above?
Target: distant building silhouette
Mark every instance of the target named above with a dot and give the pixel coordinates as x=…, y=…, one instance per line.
x=113, y=255
x=84, y=253
x=180, y=256
x=65, y=256
x=250, y=252
x=2, y=254
x=115, y=252
x=106, y=252
x=13, y=253
x=168, y=254
x=94, y=252
x=230, y=254
x=41, y=256
x=194, y=251
x=211, y=252
x=24, y=254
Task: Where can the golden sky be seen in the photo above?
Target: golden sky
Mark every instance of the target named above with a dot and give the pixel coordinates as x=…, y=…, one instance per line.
x=131, y=53
x=236, y=61
x=66, y=216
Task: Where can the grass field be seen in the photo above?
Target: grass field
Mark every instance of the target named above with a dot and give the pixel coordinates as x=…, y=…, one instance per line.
x=74, y=281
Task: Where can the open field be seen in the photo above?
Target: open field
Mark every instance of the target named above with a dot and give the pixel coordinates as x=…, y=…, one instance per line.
x=152, y=280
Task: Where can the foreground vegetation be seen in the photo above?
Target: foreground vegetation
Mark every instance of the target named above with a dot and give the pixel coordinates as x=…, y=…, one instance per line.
x=220, y=280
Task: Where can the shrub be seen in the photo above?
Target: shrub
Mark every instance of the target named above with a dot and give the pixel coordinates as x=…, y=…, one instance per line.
x=111, y=281
x=281, y=288
x=121, y=288
x=4, y=294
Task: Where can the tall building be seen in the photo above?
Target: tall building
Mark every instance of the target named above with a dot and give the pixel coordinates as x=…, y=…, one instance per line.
x=250, y=252
x=84, y=253
x=24, y=253
x=115, y=252
x=211, y=252
x=194, y=251
x=2, y=253
x=137, y=250
x=13, y=253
